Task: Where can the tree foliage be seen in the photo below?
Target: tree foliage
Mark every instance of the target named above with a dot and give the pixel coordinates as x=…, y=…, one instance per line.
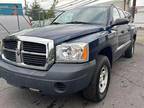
x=37, y=13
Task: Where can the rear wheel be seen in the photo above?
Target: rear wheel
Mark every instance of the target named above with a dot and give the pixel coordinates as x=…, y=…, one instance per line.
x=98, y=87
x=130, y=51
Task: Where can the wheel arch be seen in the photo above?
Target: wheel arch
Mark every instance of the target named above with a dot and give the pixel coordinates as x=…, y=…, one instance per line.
x=134, y=37
x=107, y=51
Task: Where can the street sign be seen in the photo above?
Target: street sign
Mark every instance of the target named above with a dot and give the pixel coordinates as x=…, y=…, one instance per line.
x=11, y=9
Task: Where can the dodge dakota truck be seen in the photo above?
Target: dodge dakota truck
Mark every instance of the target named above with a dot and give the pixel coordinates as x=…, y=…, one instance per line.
x=75, y=53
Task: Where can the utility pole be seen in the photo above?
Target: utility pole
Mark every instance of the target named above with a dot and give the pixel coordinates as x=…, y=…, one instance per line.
x=133, y=8
x=25, y=3
x=125, y=5
x=17, y=14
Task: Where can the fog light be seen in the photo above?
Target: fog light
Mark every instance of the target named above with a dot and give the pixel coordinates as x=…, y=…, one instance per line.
x=60, y=87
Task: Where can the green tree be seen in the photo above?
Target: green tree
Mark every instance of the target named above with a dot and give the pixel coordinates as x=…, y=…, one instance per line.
x=51, y=11
x=36, y=11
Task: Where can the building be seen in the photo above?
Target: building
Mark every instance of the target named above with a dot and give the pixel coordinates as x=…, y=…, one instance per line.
x=139, y=17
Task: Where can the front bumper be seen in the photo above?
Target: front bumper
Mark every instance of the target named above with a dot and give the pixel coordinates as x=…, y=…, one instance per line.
x=59, y=79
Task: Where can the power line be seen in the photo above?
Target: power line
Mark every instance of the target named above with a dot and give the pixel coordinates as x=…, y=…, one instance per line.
x=74, y=4
x=89, y=2
x=80, y=4
x=70, y=4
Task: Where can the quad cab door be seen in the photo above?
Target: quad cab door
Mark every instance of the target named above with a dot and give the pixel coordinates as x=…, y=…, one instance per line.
x=125, y=35
x=122, y=32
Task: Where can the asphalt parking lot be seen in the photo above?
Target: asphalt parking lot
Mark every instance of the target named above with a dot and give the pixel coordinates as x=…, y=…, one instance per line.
x=126, y=90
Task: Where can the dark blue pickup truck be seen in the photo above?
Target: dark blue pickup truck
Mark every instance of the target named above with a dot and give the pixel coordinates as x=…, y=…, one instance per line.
x=75, y=53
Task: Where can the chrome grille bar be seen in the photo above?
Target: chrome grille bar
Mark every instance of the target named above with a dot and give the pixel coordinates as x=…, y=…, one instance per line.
x=26, y=52
x=18, y=52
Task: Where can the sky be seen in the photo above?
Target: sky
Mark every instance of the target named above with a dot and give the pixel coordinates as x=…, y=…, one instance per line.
x=139, y=2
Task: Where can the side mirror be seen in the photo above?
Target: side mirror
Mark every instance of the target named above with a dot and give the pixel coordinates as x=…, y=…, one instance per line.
x=120, y=21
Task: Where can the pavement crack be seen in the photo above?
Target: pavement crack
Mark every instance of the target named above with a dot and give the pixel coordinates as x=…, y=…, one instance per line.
x=132, y=82
x=85, y=104
x=61, y=106
x=37, y=102
x=63, y=103
x=52, y=104
x=5, y=89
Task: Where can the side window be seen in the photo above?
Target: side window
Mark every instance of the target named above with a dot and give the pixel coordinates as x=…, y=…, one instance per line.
x=121, y=13
x=115, y=14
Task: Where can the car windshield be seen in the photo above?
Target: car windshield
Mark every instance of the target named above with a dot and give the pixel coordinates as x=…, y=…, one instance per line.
x=89, y=15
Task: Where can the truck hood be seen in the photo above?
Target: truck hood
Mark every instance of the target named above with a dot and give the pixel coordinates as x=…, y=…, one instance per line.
x=61, y=33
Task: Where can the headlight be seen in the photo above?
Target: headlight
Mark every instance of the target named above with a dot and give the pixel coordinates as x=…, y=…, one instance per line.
x=72, y=52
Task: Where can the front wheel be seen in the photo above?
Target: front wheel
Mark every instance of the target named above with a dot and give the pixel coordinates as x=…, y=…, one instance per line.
x=98, y=87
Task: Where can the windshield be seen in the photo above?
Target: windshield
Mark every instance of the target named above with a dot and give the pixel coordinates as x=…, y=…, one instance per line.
x=93, y=15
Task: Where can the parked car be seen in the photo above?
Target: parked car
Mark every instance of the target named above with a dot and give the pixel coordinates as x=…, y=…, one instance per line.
x=75, y=53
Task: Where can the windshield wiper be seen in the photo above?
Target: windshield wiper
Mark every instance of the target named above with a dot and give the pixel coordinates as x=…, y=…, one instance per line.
x=78, y=22
x=55, y=23
x=73, y=22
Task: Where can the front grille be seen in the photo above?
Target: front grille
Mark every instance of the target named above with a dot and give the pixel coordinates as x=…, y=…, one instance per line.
x=23, y=52
x=10, y=44
x=34, y=47
x=10, y=55
x=35, y=60
x=31, y=57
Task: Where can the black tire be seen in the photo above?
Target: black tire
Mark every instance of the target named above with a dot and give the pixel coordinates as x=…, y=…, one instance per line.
x=130, y=51
x=92, y=92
